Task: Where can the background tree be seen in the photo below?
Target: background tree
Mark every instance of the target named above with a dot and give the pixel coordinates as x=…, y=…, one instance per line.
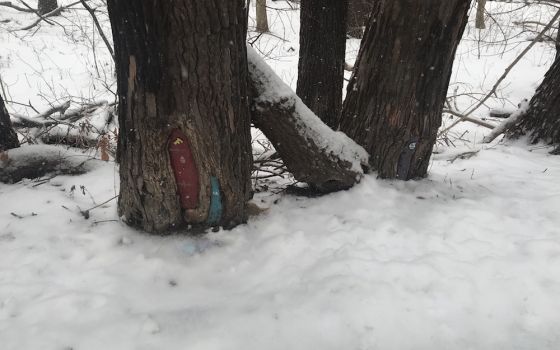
x=262, y=17
x=358, y=13
x=46, y=6
x=542, y=119
x=8, y=137
x=396, y=94
x=182, y=66
x=480, y=12
x=321, y=59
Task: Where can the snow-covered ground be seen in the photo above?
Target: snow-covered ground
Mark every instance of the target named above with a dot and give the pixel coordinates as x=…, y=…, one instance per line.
x=466, y=259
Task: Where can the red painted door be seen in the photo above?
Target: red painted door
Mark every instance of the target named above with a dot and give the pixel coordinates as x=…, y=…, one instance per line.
x=184, y=168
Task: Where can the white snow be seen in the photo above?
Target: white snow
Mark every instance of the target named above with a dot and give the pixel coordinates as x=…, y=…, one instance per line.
x=466, y=259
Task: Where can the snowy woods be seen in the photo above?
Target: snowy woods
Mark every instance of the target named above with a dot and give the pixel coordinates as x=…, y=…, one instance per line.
x=279, y=174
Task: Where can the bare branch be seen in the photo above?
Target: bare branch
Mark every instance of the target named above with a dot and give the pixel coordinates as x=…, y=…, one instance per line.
x=505, y=74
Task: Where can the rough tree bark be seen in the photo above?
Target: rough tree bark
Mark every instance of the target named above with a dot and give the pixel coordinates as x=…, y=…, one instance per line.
x=8, y=137
x=262, y=17
x=396, y=94
x=46, y=6
x=321, y=60
x=542, y=119
x=182, y=65
x=326, y=160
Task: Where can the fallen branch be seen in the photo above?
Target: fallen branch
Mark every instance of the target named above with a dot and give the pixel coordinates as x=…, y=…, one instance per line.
x=469, y=119
x=35, y=161
x=326, y=160
x=500, y=113
x=507, y=124
x=82, y=127
x=41, y=120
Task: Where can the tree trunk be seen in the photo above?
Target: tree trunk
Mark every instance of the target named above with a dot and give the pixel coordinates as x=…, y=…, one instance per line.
x=321, y=59
x=396, y=94
x=262, y=20
x=326, y=160
x=480, y=10
x=8, y=137
x=358, y=13
x=184, y=146
x=542, y=119
x=46, y=6
x=557, y=41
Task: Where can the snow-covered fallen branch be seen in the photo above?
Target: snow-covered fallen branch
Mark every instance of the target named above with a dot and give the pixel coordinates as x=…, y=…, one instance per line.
x=507, y=124
x=34, y=161
x=81, y=127
x=325, y=159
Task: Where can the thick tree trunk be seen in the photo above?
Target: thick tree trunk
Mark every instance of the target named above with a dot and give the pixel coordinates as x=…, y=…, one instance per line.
x=542, y=119
x=8, y=137
x=321, y=58
x=182, y=68
x=46, y=6
x=326, y=160
x=262, y=17
x=396, y=94
x=358, y=13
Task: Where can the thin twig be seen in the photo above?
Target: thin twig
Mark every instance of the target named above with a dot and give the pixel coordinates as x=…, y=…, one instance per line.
x=15, y=7
x=505, y=74
x=98, y=26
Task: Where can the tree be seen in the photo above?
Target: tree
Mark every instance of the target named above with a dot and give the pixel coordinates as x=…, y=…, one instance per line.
x=321, y=59
x=358, y=13
x=480, y=10
x=46, y=6
x=8, y=137
x=396, y=94
x=184, y=145
x=262, y=19
x=542, y=119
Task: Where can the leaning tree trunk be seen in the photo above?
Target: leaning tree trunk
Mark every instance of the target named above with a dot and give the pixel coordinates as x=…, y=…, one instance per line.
x=46, y=6
x=184, y=146
x=326, y=160
x=322, y=41
x=8, y=137
x=396, y=94
x=262, y=17
x=542, y=119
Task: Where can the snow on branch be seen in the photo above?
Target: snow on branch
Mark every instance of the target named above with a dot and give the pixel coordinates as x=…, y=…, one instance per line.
x=325, y=159
x=507, y=124
x=34, y=161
